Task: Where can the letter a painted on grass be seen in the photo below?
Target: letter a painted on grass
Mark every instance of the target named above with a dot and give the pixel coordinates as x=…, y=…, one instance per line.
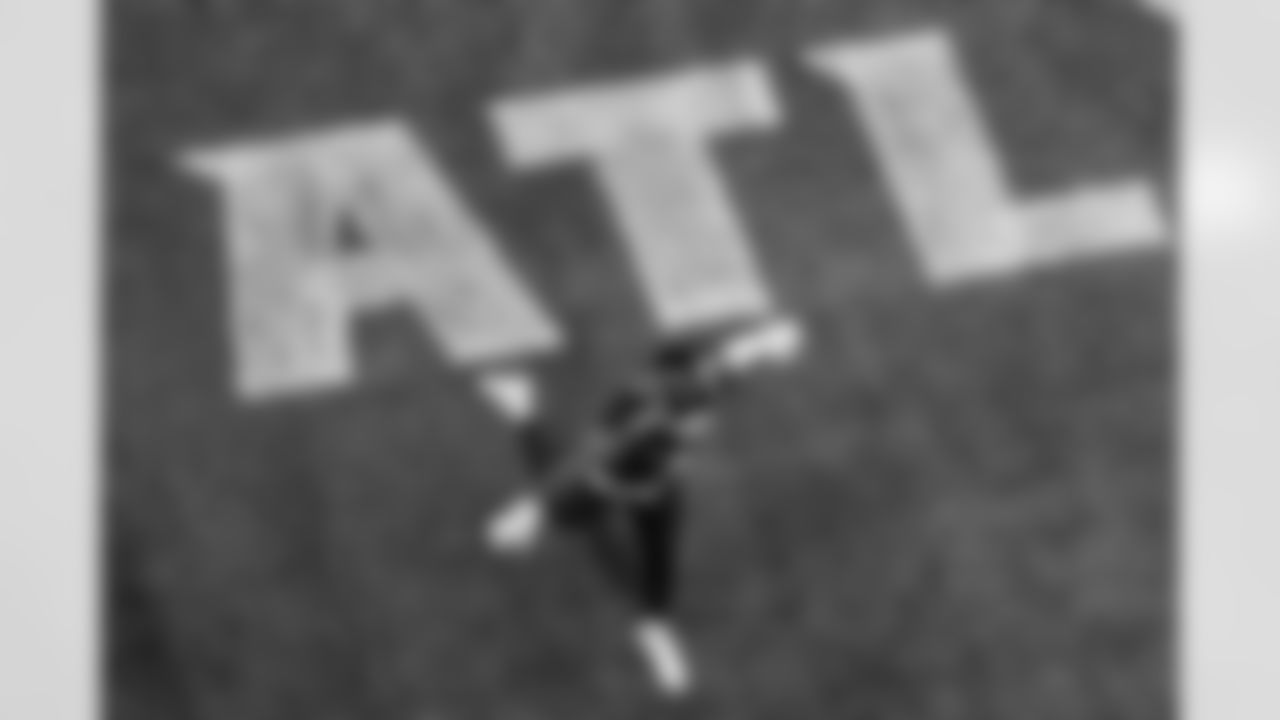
x=296, y=290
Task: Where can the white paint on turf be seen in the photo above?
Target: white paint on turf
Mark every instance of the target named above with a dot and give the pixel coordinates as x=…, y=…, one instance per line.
x=650, y=143
x=1092, y=219
x=295, y=290
x=934, y=151
x=946, y=176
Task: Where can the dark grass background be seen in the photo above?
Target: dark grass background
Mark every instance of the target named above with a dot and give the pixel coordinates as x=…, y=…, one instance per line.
x=959, y=508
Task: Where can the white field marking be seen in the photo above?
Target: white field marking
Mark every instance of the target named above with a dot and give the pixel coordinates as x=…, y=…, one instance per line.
x=1096, y=218
x=650, y=143
x=946, y=177
x=936, y=154
x=295, y=291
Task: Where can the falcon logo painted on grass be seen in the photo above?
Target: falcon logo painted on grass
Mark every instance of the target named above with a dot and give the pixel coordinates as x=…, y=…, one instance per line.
x=650, y=143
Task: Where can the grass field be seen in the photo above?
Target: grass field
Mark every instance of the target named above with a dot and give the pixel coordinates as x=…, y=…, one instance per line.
x=960, y=506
